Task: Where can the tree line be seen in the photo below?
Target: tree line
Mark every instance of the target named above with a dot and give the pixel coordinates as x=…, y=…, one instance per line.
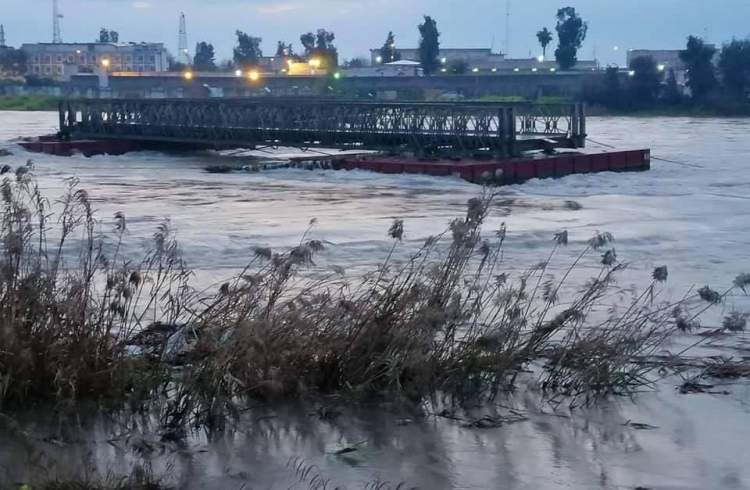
x=712, y=76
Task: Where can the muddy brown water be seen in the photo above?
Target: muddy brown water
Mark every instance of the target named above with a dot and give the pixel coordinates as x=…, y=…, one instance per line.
x=695, y=219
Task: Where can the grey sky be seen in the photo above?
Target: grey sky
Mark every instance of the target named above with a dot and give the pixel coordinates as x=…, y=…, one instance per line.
x=360, y=24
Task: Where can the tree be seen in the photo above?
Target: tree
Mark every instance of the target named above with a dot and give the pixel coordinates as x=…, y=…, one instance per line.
x=12, y=61
x=356, y=63
x=107, y=36
x=545, y=37
x=175, y=65
x=324, y=40
x=429, y=45
x=205, y=57
x=284, y=50
x=247, y=53
x=571, y=32
x=701, y=73
x=734, y=64
x=308, y=42
x=672, y=93
x=388, y=52
x=645, y=82
x=458, y=67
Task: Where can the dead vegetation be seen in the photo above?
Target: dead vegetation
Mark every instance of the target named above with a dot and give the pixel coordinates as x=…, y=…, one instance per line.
x=80, y=320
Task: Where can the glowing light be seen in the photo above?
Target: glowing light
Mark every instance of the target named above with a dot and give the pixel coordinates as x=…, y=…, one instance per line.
x=444, y=60
x=616, y=48
x=516, y=69
x=494, y=70
x=315, y=63
x=337, y=75
x=290, y=63
x=540, y=58
x=238, y=73
x=661, y=67
x=444, y=70
x=105, y=62
x=379, y=59
x=188, y=75
x=254, y=76
x=553, y=70
x=475, y=70
x=631, y=73
x=534, y=69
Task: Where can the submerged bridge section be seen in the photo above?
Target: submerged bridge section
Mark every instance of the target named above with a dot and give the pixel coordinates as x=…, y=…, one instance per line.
x=502, y=130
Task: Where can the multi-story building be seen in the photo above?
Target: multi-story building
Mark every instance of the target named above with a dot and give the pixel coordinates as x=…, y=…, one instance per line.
x=59, y=61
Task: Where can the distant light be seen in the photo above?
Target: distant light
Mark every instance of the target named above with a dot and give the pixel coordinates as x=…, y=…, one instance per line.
x=631, y=73
x=553, y=70
x=254, y=75
x=444, y=70
x=661, y=67
x=379, y=59
x=475, y=70
x=315, y=63
x=290, y=63
x=540, y=58
x=78, y=51
x=516, y=69
x=534, y=69
x=188, y=75
x=616, y=48
x=238, y=73
x=283, y=70
x=494, y=70
x=337, y=75
x=444, y=60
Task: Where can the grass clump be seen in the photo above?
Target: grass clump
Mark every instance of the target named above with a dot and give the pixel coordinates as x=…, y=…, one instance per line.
x=78, y=319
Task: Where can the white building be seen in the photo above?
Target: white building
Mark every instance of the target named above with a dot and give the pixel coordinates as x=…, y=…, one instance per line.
x=59, y=61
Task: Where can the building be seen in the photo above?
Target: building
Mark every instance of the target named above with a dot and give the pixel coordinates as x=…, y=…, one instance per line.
x=61, y=61
x=475, y=57
x=666, y=60
x=484, y=61
x=401, y=68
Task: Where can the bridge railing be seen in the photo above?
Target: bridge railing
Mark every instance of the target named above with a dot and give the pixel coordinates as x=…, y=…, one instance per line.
x=324, y=122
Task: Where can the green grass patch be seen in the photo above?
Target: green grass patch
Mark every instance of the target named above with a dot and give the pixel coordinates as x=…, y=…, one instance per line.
x=28, y=103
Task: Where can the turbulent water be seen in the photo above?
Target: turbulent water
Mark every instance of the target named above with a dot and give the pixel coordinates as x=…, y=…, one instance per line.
x=690, y=212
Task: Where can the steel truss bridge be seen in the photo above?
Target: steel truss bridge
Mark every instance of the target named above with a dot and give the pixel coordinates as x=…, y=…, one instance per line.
x=423, y=128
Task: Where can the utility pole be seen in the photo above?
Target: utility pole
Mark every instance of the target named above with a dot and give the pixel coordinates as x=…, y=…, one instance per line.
x=507, y=28
x=56, y=16
x=2, y=36
x=182, y=42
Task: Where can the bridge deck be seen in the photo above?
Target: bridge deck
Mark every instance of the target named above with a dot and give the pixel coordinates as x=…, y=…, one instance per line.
x=421, y=127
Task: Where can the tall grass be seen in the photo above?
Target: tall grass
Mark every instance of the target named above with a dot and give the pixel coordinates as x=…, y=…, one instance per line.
x=79, y=319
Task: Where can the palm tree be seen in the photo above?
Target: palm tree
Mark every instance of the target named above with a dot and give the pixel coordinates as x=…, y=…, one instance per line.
x=545, y=37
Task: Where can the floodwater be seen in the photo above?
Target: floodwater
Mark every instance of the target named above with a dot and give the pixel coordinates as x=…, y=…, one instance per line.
x=691, y=214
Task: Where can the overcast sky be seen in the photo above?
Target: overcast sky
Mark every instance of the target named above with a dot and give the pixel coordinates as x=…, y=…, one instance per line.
x=361, y=24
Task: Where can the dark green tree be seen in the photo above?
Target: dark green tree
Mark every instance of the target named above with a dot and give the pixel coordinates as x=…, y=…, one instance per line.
x=672, y=92
x=701, y=73
x=205, y=57
x=612, y=93
x=645, y=83
x=734, y=65
x=388, y=52
x=247, y=53
x=458, y=67
x=12, y=61
x=356, y=63
x=107, y=36
x=324, y=40
x=571, y=32
x=545, y=37
x=429, y=45
x=308, y=42
x=284, y=50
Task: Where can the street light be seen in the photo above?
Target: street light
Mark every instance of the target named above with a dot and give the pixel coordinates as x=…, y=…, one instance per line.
x=379, y=59
x=254, y=76
x=337, y=75
x=661, y=67
x=475, y=70
x=238, y=73
x=631, y=73
x=105, y=63
x=443, y=60
x=188, y=75
x=534, y=69
x=540, y=58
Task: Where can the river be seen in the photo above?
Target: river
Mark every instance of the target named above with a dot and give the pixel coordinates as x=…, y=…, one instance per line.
x=690, y=212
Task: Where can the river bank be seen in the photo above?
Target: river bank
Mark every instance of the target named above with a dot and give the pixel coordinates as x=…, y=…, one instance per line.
x=28, y=103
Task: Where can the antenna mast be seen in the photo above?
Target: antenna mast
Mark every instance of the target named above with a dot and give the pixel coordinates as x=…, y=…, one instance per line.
x=56, y=16
x=2, y=36
x=183, y=55
x=507, y=28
